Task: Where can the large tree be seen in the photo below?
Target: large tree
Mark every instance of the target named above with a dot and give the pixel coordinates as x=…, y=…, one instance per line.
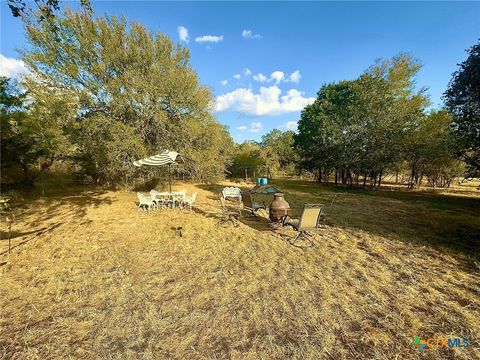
x=34, y=127
x=392, y=106
x=358, y=127
x=17, y=149
x=278, y=149
x=462, y=98
x=137, y=93
x=323, y=129
x=248, y=159
x=430, y=151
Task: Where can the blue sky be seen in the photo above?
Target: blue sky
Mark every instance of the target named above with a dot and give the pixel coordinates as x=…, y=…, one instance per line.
x=308, y=43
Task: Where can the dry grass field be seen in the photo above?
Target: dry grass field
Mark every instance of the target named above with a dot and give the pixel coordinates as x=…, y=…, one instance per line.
x=89, y=277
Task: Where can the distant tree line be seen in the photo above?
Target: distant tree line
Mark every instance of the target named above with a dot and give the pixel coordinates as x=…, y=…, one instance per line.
x=102, y=92
x=360, y=130
x=274, y=155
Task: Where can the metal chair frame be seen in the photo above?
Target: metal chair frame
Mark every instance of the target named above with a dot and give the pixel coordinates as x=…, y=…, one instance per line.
x=231, y=215
x=301, y=228
x=250, y=205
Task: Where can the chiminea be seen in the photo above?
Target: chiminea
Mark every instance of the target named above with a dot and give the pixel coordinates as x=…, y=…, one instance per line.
x=279, y=208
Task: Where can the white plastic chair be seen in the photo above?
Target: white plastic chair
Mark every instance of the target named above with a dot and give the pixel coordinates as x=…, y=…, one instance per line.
x=145, y=201
x=232, y=192
x=229, y=213
x=180, y=198
x=189, y=200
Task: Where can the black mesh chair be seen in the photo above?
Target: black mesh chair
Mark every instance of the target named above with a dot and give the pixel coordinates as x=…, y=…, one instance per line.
x=250, y=205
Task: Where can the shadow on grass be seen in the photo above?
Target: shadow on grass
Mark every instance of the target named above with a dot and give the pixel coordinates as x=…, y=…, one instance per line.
x=74, y=204
x=259, y=222
x=420, y=217
x=35, y=234
x=16, y=234
x=427, y=197
x=67, y=207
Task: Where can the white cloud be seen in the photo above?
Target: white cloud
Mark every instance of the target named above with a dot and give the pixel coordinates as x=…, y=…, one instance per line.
x=248, y=34
x=289, y=125
x=267, y=102
x=295, y=77
x=237, y=76
x=183, y=33
x=277, y=76
x=292, y=125
x=224, y=82
x=255, y=127
x=209, y=38
x=12, y=68
x=247, y=72
x=260, y=77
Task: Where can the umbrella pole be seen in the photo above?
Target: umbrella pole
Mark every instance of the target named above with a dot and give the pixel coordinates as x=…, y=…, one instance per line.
x=170, y=176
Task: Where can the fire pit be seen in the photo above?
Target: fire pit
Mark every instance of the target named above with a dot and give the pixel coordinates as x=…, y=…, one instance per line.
x=279, y=208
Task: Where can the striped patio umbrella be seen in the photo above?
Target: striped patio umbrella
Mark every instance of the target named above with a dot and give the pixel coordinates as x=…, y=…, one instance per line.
x=166, y=157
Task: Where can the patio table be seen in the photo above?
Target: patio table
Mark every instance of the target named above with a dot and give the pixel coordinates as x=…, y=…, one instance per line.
x=172, y=196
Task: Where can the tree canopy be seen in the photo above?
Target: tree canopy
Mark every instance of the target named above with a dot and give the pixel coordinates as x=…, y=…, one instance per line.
x=103, y=92
x=248, y=159
x=132, y=91
x=372, y=124
x=278, y=149
x=45, y=9
x=462, y=98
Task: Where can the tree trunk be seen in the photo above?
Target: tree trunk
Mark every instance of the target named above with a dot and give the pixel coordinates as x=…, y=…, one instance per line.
x=27, y=177
x=336, y=177
x=380, y=178
x=319, y=180
x=365, y=179
x=419, y=182
x=412, y=177
x=43, y=187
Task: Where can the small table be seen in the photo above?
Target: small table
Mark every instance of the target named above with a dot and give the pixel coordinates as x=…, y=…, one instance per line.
x=170, y=196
